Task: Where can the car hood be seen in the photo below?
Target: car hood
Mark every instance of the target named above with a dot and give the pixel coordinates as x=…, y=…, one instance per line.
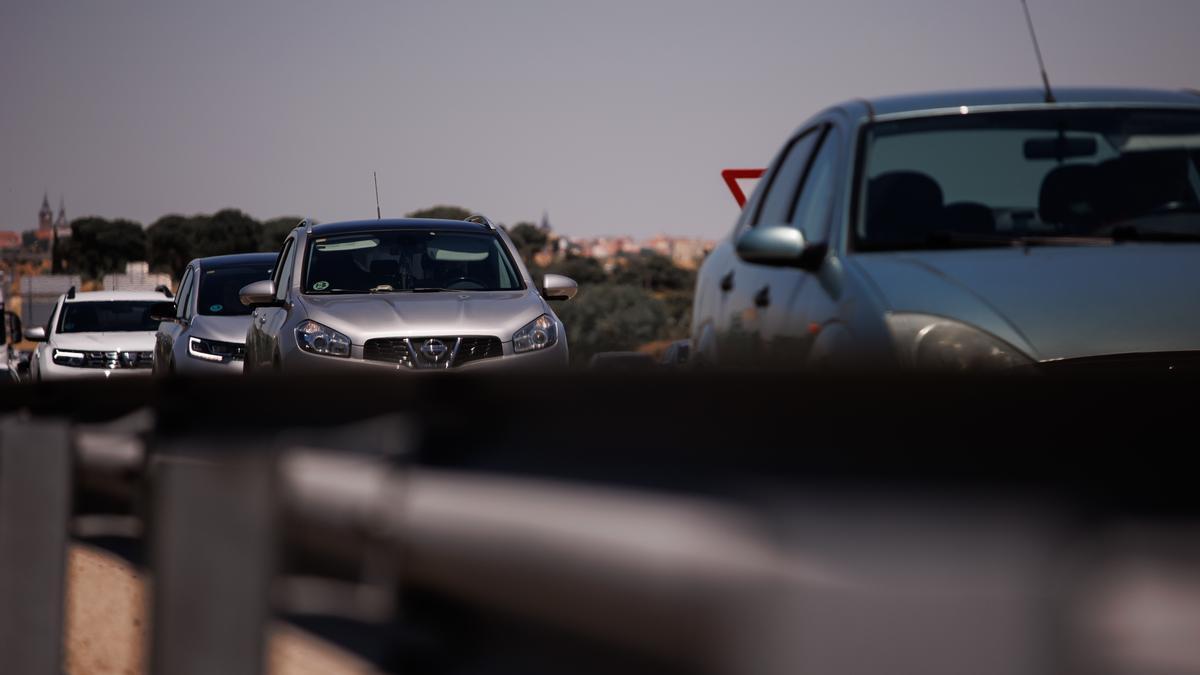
x=452, y=313
x=126, y=341
x=1055, y=302
x=221, y=328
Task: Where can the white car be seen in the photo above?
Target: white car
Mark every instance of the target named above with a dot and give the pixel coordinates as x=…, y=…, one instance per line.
x=96, y=334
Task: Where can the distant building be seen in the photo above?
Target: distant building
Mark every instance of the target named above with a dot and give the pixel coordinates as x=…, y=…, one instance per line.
x=50, y=227
x=137, y=277
x=10, y=240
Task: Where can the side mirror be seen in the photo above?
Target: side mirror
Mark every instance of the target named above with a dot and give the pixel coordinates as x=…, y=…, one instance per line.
x=780, y=246
x=36, y=334
x=163, y=311
x=558, y=287
x=258, y=294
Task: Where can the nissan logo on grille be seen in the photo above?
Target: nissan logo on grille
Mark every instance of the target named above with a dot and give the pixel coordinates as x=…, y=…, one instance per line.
x=434, y=349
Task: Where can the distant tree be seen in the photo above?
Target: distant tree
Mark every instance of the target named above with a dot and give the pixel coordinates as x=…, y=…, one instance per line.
x=529, y=239
x=226, y=231
x=655, y=272
x=274, y=231
x=443, y=211
x=606, y=318
x=98, y=246
x=29, y=239
x=169, y=243
x=582, y=270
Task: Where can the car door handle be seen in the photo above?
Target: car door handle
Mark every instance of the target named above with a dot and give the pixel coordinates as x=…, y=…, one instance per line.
x=727, y=282
x=763, y=297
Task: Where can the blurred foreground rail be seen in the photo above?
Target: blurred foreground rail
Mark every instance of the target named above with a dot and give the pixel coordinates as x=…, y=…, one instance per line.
x=621, y=523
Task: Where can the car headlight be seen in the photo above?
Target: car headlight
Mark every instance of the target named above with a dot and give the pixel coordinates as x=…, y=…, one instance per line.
x=317, y=339
x=540, y=333
x=211, y=350
x=934, y=343
x=66, y=357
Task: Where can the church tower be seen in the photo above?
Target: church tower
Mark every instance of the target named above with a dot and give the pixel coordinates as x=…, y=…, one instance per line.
x=60, y=223
x=45, y=217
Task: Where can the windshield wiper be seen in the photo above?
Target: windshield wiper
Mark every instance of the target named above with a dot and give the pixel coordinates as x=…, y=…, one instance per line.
x=428, y=290
x=1133, y=233
x=949, y=239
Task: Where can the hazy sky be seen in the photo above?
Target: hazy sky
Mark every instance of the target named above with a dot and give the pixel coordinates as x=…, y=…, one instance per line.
x=614, y=116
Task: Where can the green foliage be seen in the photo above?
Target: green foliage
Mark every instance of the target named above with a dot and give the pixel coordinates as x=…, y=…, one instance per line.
x=654, y=272
x=582, y=270
x=609, y=317
x=226, y=231
x=529, y=239
x=98, y=246
x=274, y=231
x=442, y=211
x=169, y=243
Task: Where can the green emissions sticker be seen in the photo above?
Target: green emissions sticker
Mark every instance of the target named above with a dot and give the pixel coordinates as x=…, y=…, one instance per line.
x=320, y=285
x=216, y=308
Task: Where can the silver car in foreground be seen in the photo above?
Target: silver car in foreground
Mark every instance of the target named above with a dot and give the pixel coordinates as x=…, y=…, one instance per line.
x=969, y=231
x=203, y=332
x=411, y=294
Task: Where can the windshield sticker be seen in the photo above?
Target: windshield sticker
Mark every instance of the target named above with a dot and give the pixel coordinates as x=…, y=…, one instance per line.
x=216, y=308
x=320, y=285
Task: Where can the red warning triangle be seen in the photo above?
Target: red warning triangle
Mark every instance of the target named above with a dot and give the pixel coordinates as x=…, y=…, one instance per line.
x=732, y=176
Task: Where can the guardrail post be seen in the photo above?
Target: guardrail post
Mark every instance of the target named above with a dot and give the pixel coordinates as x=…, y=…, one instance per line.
x=212, y=554
x=35, y=509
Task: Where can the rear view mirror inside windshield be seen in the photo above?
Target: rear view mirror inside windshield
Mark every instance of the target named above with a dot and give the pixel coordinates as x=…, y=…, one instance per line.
x=1060, y=147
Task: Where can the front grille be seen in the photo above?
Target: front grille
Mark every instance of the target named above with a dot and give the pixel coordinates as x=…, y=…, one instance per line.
x=1151, y=363
x=118, y=359
x=417, y=352
x=477, y=348
x=392, y=350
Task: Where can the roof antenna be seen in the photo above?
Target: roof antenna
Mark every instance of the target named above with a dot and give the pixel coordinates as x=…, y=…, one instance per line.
x=378, y=214
x=1038, y=50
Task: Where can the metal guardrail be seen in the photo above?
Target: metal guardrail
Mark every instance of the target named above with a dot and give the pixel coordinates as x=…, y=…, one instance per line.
x=533, y=564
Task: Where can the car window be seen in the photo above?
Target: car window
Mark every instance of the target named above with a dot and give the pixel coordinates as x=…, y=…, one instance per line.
x=811, y=214
x=107, y=316
x=185, y=294
x=410, y=260
x=220, y=288
x=780, y=194
x=51, y=320
x=985, y=179
x=283, y=270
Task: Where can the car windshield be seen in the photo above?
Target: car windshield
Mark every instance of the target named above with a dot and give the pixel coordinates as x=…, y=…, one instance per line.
x=409, y=260
x=985, y=178
x=107, y=316
x=219, y=288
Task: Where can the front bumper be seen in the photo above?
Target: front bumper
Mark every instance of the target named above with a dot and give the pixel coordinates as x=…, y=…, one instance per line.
x=296, y=360
x=48, y=370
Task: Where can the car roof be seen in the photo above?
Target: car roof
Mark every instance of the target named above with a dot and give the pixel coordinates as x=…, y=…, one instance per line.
x=233, y=259
x=940, y=100
x=105, y=296
x=397, y=224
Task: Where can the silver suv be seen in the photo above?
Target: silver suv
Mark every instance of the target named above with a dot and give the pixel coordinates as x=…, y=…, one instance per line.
x=204, y=331
x=411, y=294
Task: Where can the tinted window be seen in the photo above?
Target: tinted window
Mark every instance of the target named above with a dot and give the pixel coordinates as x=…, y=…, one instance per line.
x=184, y=299
x=780, y=195
x=983, y=177
x=282, y=275
x=219, y=288
x=107, y=316
x=816, y=197
x=409, y=260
